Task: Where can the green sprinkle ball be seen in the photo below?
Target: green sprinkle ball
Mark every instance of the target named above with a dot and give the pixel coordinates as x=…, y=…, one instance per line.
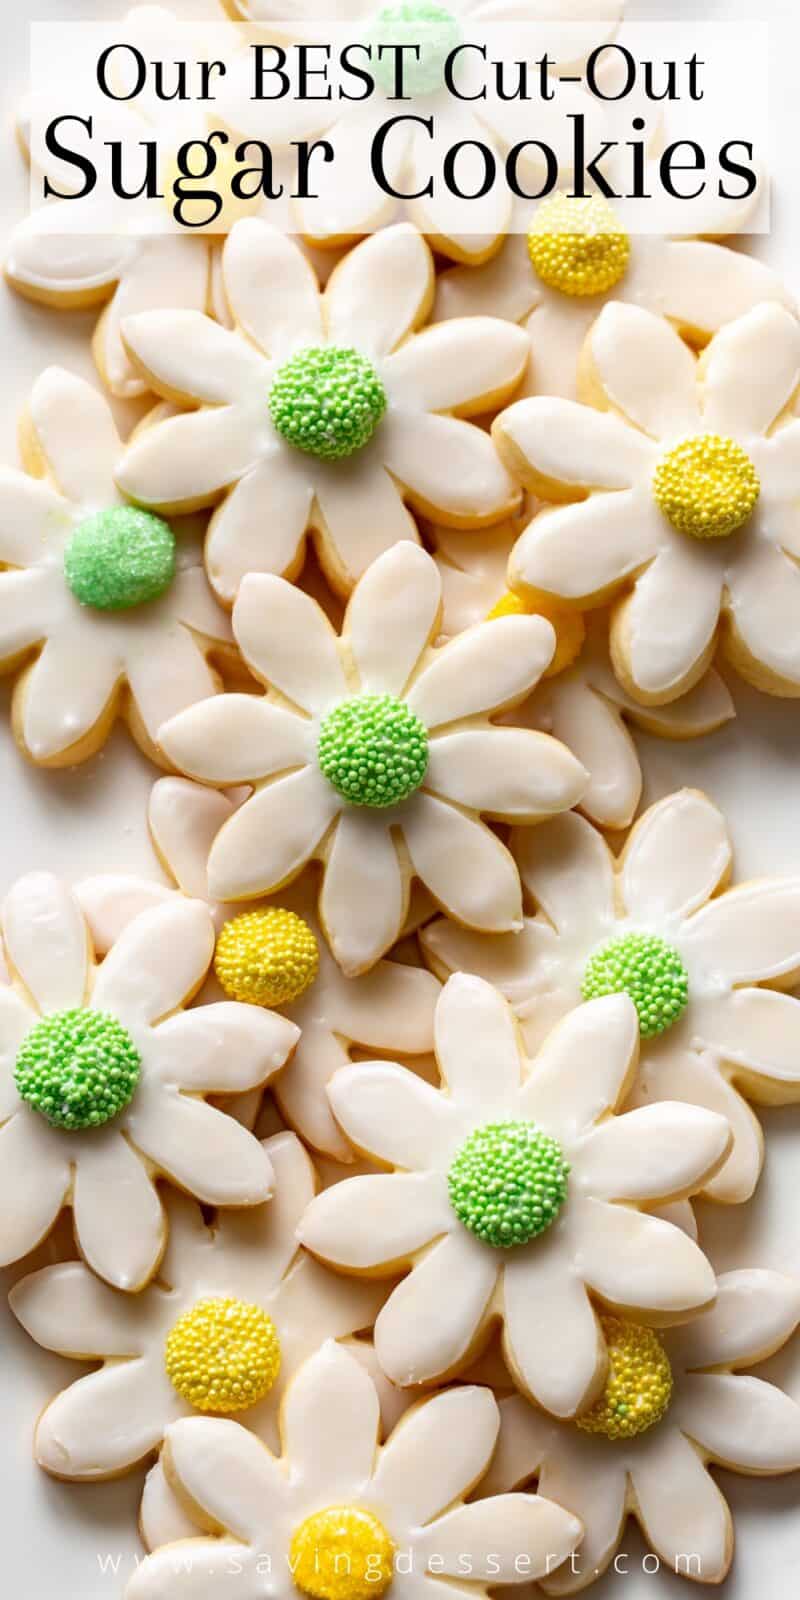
x=647, y=969
x=327, y=401
x=417, y=22
x=77, y=1068
x=508, y=1183
x=373, y=749
x=120, y=558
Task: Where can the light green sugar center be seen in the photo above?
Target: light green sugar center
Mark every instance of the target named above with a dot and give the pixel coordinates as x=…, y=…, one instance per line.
x=508, y=1182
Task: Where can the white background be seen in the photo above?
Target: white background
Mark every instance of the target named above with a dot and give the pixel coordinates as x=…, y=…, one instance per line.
x=93, y=819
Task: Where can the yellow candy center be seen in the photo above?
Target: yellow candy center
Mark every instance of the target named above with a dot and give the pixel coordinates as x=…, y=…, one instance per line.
x=267, y=958
x=342, y=1553
x=707, y=486
x=639, y=1383
x=569, y=626
x=578, y=246
x=223, y=1355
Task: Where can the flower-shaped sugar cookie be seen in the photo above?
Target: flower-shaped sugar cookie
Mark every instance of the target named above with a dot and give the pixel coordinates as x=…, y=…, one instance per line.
x=120, y=615
x=390, y=1008
x=515, y=1195
x=67, y=256
x=103, y=1076
x=339, y=1514
x=234, y=1313
x=675, y=1401
x=350, y=200
x=580, y=700
x=696, y=962
x=322, y=411
x=372, y=735
x=577, y=255
x=685, y=486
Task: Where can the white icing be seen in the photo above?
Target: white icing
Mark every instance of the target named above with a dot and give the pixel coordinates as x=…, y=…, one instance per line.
x=664, y=632
x=697, y=285
x=415, y=1484
x=272, y=493
x=288, y=642
x=615, y=1250
x=105, y=1423
x=734, y=1039
x=390, y=1008
x=584, y=706
x=107, y=1174
x=144, y=659
x=660, y=1477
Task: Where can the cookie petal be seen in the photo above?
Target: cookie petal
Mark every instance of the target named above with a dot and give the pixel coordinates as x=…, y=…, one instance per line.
x=474, y=1025
x=512, y=773
x=395, y=1115
x=668, y=624
x=65, y=411
x=677, y=856
x=755, y=1312
x=228, y=1472
x=559, y=1093
x=464, y=865
x=406, y=1211
x=418, y=1472
x=769, y=336
x=629, y=344
x=450, y=468
x=288, y=641
x=364, y=897
x=680, y=1507
x=158, y=960
x=234, y=739
x=662, y=1151
x=489, y=667
x=635, y=1260
x=273, y=835
x=261, y=524
x=34, y=1179
x=118, y=1217
x=555, y=1353
x=330, y=1423
x=458, y=366
x=379, y=292
x=271, y=288
x=751, y=934
x=431, y=1319
x=225, y=1047
x=106, y=1422
x=392, y=616
x=202, y=1150
x=46, y=941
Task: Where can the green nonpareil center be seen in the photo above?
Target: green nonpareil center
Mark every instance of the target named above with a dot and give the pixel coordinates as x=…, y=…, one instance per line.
x=647, y=969
x=327, y=400
x=373, y=749
x=508, y=1182
x=77, y=1068
x=425, y=32
x=119, y=558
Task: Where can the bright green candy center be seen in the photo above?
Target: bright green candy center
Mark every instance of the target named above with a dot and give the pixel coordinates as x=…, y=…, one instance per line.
x=508, y=1182
x=327, y=401
x=373, y=749
x=647, y=969
x=78, y=1068
x=432, y=28
x=120, y=558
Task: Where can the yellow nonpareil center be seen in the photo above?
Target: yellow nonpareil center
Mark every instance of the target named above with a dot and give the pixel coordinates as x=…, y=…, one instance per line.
x=578, y=246
x=266, y=958
x=706, y=486
x=639, y=1384
x=342, y=1553
x=223, y=1355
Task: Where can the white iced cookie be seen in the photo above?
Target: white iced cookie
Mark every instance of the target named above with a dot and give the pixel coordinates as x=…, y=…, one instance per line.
x=684, y=482
x=516, y=1187
x=116, y=610
x=704, y=968
x=576, y=256
x=236, y=1310
x=376, y=753
x=580, y=700
x=675, y=1401
x=384, y=423
x=276, y=956
x=341, y=1518
x=50, y=261
x=102, y=1079
x=350, y=201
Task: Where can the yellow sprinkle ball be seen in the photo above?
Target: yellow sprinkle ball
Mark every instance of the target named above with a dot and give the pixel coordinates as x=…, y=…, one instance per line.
x=639, y=1384
x=569, y=626
x=342, y=1553
x=707, y=486
x=223, y=1355
x=578, y=246
x=266, y=958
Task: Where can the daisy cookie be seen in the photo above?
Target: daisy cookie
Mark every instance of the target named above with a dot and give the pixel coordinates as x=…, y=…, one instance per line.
x=338, y=1515
x=517, y=1186
x=683, y=485
x=704, y=968
x=674, y=1402
x=322, y=411
x=352, y=202
x=580, y=700
x=576, y=256
x=235, y=1311
x=376, y=753
x=274, y=954
x=103, y=1078
x=117, y=611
